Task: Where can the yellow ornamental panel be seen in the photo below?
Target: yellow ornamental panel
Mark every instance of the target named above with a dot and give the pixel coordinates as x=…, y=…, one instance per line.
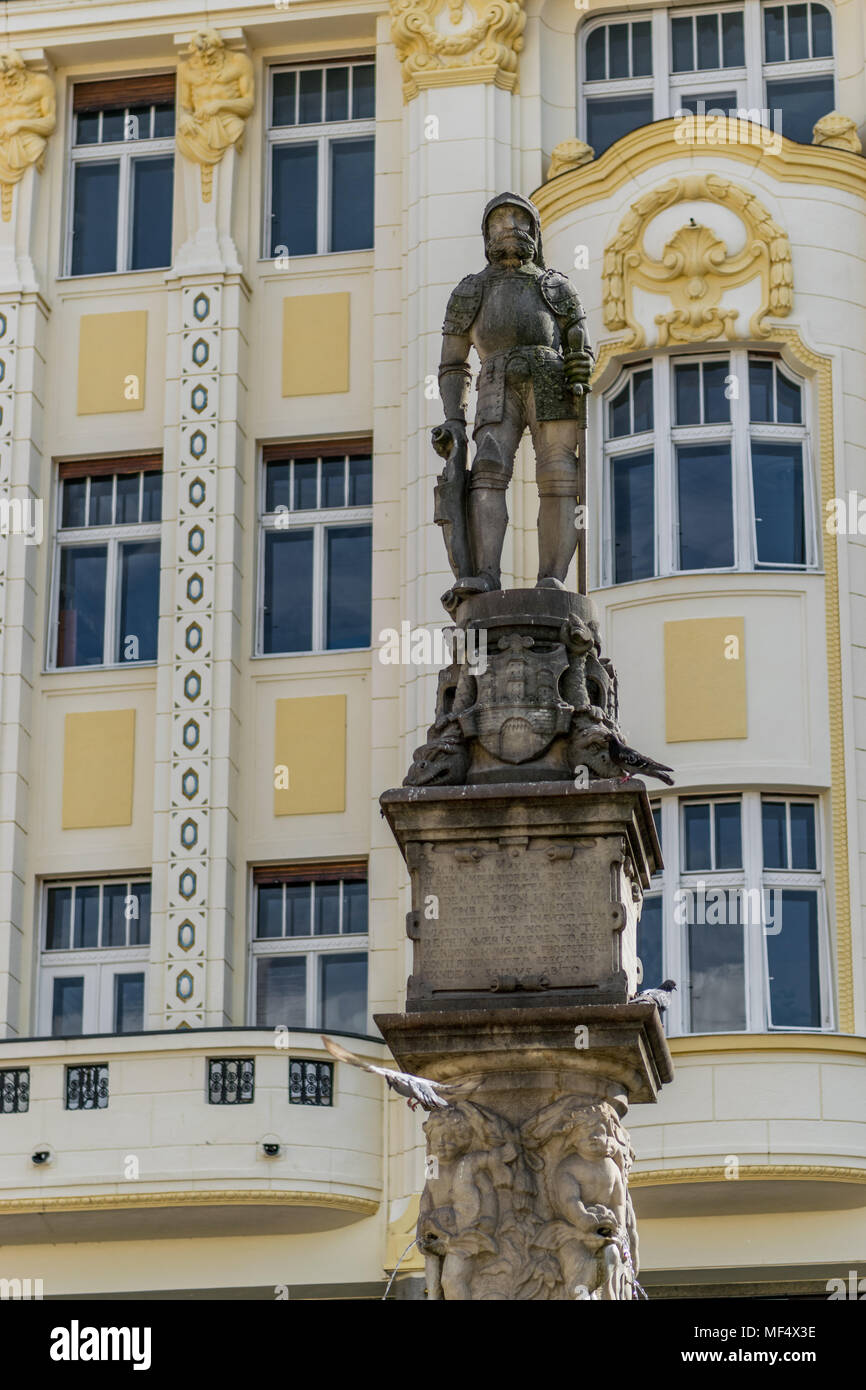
x=111, y=362
x=310, y=755
x=315, y=344
x=705, y=679
x=98, y=767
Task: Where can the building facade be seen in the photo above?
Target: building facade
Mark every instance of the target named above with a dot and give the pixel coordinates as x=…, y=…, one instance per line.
x=226, y=245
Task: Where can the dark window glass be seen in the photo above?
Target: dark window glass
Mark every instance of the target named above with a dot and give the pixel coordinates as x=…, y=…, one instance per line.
x=101, y=501
x=716, y=978
x=129, y=1003
x=352, y=194
x=682, y=45
x=641, y=49
x=114, y=914
x=760, y=390
x=608, y=119
x=618, y=50
x=717, y=409
x=349, y=585
x=128, y=487
x=269, y=914
x=152, y=196
x=139, y=926
x=112, y=126
x=354, y=908
x=780, y=524
x=802, y=102
x=657, y=822
x=798, y=32
x=649, y=940
x=774, y=835
x=620, y=413
x=298, y=909
x=85, y=918
x=733, y=46
x=151, y=502
x=81, y=615
x=708, y=41
x=633, y=517
x=774, y=34
x=337, y=94
x=595, y=59
x=276, y=486
x=788, y=406
x=288, y=605
x=74, y=502
x=705, y=506
x=284, y=98
x=343, y=992
x=360, y=481
x=163, y=120
x=729, y=850
x=327, y=901
x=706, y=520
x=333, y=483
x=94, y=218
x=696, y=834
x=710, y=104
x=803, y=851
x=310, y=96
x=822, y=33
x=59, y=919
x=281, y=992
x=295, y=194
x=792, y=963
x=137, y=123
x=87, y=128
x=364, y=92
x=687, y=387
x=306, y=485
x=642, y=388
x=67, y=1006
x=139, y=601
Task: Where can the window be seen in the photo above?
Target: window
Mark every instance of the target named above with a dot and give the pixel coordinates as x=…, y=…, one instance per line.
x=231, y=1080
x=95, y=939
x=707, y=467
x=122, y=176
x=106, y=582
x=315, y=561
x=87, y=1087
x=309, y=948
x=310, y=1083
x=738, y=916
x=768, y=63
x=321, y=154
x=14, y=1090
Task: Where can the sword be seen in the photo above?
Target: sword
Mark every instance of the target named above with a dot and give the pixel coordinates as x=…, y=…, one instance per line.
x=580, y=393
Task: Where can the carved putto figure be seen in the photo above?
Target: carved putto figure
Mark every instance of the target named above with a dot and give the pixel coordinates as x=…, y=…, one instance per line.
x=216, y=96
x=28, y=115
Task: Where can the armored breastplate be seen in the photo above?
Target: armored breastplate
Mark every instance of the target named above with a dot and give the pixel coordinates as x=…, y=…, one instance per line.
x=513, y=312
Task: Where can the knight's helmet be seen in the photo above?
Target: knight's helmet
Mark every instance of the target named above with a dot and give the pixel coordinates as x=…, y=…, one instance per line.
x=515, y=200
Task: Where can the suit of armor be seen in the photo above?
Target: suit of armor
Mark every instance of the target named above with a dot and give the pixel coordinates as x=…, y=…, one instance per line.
x=528, y=328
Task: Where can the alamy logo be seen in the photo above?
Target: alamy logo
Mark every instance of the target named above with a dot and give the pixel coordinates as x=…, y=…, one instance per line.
x=77, y=1343
x=22, y=518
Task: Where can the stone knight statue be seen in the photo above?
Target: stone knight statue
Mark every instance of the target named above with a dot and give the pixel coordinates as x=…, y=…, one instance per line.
x=528, y=328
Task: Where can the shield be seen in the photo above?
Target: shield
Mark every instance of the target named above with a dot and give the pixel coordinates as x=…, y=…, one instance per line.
x=519, y=711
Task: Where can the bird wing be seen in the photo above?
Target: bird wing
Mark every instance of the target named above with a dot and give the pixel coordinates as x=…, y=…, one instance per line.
x=418, y=1088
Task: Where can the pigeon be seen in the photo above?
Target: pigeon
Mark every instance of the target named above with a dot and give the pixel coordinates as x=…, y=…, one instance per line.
x=418, y=1090
x=661, y=997
x=632, y=761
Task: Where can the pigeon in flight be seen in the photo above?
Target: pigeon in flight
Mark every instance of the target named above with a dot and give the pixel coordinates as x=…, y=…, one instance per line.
x=430, y=1095
x=661, y=997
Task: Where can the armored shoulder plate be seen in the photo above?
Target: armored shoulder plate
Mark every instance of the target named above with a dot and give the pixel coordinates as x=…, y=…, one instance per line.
x=463, y=304
x=561, y=296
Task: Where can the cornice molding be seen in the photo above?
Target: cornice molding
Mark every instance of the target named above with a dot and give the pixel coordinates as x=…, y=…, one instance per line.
x=365, y=1206
x=438, y=48
x=748, y=1172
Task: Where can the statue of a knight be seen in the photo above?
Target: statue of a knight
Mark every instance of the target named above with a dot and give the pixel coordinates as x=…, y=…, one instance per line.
x=528, y=328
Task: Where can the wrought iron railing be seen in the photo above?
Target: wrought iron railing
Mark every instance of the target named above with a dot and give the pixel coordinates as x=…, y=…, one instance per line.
x=310, y=1083
x=14, y=1091
x=87, y=1087
x=231, y=1080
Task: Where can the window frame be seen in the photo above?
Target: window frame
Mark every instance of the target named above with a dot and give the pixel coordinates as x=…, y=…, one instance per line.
x=749, y=81
x=320, y=134
x=751, y=876
x=123, y=152
x=663, y=440
x=318, y=520
x=313, y=948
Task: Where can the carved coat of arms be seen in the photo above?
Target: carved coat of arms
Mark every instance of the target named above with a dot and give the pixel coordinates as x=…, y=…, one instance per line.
x=519, y=710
